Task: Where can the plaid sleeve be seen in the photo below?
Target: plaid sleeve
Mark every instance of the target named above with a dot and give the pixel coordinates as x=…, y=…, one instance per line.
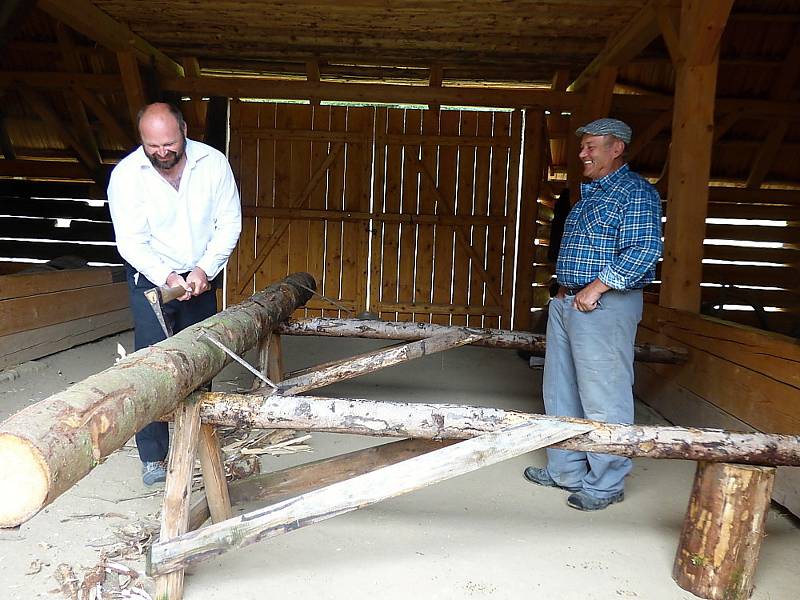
x=639, y=243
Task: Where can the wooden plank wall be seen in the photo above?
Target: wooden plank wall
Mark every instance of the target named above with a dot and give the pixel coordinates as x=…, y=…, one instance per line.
x=30, y=230
x=43, y=313
x=445, y=206
x=304, y=174
x=736, y=378
x=436, y=231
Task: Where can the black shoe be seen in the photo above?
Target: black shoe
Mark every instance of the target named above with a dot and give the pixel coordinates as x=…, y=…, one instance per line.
x=542, y=477
x=585, y=501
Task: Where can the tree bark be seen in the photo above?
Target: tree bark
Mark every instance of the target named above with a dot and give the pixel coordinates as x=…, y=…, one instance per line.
x=49, y=446
x=721, y=538
x=455, y=421
x=358, y=492
x=493, y=338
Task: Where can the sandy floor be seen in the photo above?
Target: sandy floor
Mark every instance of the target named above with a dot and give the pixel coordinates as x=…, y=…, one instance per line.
x=489, y=534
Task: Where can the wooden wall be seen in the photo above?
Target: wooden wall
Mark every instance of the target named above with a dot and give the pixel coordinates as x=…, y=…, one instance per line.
x=736, y=378
x=43, y=313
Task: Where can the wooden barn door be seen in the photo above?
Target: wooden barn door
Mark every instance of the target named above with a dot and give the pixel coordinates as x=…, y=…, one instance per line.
x=445, y=206
x=302, y=170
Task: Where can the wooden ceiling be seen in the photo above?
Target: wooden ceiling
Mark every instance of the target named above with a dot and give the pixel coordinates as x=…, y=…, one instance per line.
x=73, y=71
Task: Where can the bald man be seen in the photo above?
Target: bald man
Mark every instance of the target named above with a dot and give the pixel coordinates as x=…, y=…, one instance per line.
x=177, y=218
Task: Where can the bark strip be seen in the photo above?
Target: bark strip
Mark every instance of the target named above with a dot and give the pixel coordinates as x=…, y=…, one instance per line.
x=49, y=446
x=455, y=421
x=355, y=493
x=493, y=338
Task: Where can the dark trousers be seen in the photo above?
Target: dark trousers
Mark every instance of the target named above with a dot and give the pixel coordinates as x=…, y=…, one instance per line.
x=153, y=440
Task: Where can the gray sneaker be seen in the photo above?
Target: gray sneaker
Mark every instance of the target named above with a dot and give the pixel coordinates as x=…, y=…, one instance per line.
x=154, y=472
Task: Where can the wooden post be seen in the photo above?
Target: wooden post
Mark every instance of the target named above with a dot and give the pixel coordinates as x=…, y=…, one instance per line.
x=216, y=486
x=178, y=489
x=718, y=550
x=352, y=494
x=702, y=23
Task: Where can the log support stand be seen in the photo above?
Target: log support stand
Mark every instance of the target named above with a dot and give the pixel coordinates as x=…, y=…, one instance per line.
x=721, y=538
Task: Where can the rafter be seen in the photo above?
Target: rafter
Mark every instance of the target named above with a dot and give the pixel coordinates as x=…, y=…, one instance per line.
x=86, y=18
x=12, y=14
x=108, y=120
x=624, y=46
x=42, y=107
x=132, y=83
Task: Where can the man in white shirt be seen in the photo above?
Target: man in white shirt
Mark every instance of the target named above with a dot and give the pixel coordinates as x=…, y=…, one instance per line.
x=177, y=218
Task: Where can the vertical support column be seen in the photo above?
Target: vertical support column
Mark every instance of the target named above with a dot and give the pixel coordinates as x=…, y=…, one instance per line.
x=702, y=24
x=132, y=83
x=270, y=358
x=721, y=538
x=178, y=488
x=532, y=174
x=213, y=469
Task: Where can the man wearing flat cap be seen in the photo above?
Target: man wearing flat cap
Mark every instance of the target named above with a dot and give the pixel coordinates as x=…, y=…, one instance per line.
x=609, y=251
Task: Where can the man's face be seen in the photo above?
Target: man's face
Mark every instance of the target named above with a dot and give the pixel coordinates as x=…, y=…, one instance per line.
x=600, y=155
x=163, y=141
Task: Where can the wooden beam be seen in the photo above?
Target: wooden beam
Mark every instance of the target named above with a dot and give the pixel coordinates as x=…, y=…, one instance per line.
x=690, y=156
x=195, y=112
x=623, y=46
x=102, y=112
x=132, y=83
x=248, y=87
x=313, y=76
x=667, y=17
x=435, y=76
x=352, y=494
x=781, y=87
x=657, y=125
x=13, y=13
x=6, y=146
x=45, y=111
x=84, y=17
x=72, y=63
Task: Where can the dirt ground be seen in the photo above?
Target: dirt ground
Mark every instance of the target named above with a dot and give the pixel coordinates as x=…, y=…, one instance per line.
x=489, y=534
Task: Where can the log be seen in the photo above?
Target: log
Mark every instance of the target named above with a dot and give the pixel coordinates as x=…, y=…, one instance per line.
x=358, y=492
x=493, y=338
x=369, y=362
x=279, y=485
x=49, y=446
x=456, y=421
x=721, y=538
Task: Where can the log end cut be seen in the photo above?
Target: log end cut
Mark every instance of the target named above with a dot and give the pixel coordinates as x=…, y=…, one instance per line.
x=25, y=474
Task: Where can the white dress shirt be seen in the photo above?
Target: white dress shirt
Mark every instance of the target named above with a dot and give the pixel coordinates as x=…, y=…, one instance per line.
x=160, y=229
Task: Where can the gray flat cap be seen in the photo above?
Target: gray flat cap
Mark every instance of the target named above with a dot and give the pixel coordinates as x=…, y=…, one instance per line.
x=613, y=127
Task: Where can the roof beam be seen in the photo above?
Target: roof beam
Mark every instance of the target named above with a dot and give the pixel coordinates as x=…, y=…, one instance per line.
x=132, y=82
x=106, y=118
x=87, y=19
x=12, y=14
x=624, y=46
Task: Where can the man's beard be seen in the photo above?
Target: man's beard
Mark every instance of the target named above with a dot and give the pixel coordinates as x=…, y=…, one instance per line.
x=172, y=159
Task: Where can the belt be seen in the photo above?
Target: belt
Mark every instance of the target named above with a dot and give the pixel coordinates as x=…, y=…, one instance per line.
x=574, y=290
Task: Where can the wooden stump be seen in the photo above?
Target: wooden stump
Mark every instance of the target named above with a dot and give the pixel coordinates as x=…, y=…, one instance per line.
x=718, y=550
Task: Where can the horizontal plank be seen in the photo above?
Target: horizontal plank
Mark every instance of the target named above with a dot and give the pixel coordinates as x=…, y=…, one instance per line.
x=50, y=189
x=300, y=135
x=32, y=312
x=500, y=141
x=784, y=256
x=17, y=348
x=45, y=229
x=44, y=169
x=22, y=285
x=779, y=298
x=436, y=309
x=53, y=208
x=752, y=233
x=785, y=323
x=750, y=196
x=304, y=214
x=49, y=251
x=771, y=212
x=730, y=274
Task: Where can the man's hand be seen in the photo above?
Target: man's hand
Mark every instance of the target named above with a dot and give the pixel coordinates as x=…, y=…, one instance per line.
x=199, y=278
x=561, y=293
x=175, y=280
x=589, y=297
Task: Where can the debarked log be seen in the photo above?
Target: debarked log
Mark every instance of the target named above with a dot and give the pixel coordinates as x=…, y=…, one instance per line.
x=494, y=338
x=49, y=446
x=456, y=421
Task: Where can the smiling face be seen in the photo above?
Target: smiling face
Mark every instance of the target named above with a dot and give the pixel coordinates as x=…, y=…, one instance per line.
x=163, y=139
x=600, y=155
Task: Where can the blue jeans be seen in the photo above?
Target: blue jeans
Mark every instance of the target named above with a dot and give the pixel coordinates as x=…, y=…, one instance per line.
x=588, y=373
x=153, y=439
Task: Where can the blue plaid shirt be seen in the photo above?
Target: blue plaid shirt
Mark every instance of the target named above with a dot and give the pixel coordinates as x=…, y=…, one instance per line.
x=613, y=233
